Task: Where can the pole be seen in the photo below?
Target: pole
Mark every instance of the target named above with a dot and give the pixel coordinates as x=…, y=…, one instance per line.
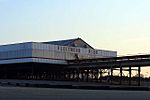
x=130, y=75
x=139, y=76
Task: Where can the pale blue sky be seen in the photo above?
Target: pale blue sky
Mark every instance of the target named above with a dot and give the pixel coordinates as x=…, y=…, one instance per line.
x=121, y=25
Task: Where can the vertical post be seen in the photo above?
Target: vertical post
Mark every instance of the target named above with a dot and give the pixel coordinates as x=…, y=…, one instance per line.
x=52, y=76
x=65, y=74
x=78, y=74
x=32, y=71
x=87, y=75
x=5, y=73
x=82, y=71
x=73, y=74
x=130, y=75
x=139, y=76
x=120, y=75
x=92, y=74
x=111, y=73
x=69, y=75
x=56, y=76
x=101, y=75
x=108, y=77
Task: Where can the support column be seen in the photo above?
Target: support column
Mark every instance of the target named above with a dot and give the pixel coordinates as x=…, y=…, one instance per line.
x=108, y=78
x=6, y=73
x=87, y=75
x=56, y=75
x=92, y=75
x=78, y=74
x=82, y=72
x=101, y=75
x=130, y=75
x=111, y=77
x=59, y=76
x=64, y=75
x=53, y=76
x=69, y=75
x=73, y=75
x=32, y=71
x=120, y=75
x=139, y=76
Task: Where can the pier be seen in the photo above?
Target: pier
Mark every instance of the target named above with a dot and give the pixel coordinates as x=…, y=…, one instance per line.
x=85, y=70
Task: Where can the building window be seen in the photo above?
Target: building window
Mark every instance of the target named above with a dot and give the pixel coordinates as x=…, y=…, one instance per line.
x=89, y=51
x=64, y=49
x=77, y=50
x=96, y=52
x=61, y=49
x=85, y=46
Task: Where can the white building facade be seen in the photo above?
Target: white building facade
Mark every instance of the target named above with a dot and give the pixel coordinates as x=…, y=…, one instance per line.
x=51, y=52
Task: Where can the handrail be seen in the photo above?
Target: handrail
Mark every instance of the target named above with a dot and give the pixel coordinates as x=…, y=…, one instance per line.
x=122, y=58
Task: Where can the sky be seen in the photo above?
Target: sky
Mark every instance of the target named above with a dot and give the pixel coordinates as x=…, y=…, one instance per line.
x=119, y=25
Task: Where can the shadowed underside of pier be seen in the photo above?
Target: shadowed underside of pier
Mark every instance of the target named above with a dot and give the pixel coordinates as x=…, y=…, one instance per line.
x=107, y=65
x=87, y=70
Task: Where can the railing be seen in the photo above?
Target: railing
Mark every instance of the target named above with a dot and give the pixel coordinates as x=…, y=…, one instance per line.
x=112, y=59
x=114, y=62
